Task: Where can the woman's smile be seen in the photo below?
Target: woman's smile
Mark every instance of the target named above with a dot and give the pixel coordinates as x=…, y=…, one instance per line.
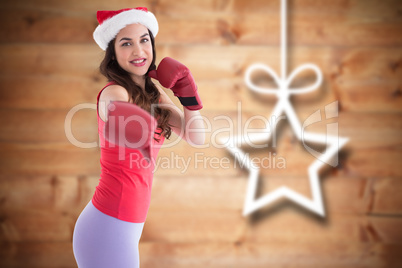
x=138, y=62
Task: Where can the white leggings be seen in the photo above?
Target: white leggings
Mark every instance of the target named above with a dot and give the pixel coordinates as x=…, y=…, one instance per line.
x=102, y=241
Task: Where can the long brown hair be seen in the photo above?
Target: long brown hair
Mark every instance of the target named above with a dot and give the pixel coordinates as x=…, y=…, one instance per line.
x=110, y=68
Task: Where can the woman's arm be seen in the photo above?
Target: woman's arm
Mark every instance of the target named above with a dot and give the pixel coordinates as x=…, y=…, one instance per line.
x=177, y=77
x=187, y=124
x=111, y=93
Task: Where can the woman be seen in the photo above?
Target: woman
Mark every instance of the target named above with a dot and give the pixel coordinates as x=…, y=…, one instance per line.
x=134, y=118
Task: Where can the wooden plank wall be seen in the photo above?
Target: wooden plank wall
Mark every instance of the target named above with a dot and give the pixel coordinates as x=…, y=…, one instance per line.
x=48, y=65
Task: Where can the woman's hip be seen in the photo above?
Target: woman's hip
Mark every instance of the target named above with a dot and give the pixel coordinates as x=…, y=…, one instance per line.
x=100, y=239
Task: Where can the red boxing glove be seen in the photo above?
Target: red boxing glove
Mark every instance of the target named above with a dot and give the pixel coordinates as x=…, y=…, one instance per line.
x=130, y=126
x=176, y=76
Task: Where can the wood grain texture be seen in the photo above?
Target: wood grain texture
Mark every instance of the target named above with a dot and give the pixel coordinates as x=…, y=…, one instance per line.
x=358, y=210
x=49, y=67
x=282, y=254
x=217, y=22
x=55, y=76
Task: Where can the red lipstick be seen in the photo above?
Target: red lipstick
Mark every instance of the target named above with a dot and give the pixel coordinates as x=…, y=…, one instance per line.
x=138, y=62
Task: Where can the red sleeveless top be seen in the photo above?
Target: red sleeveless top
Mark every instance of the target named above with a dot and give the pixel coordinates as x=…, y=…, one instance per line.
x=124, y=189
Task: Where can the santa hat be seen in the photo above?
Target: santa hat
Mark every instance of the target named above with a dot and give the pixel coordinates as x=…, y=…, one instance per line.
x=111, y=22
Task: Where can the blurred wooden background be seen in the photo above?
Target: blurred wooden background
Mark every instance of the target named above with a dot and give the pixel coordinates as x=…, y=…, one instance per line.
x=49, y=64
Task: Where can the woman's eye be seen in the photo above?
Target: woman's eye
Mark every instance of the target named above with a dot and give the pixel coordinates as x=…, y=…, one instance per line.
x=125, y=44
x=144, y=40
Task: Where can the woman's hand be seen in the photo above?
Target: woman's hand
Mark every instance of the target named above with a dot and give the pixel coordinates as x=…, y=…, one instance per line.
x=189, y=125
x=130, y=126
x=176, y=76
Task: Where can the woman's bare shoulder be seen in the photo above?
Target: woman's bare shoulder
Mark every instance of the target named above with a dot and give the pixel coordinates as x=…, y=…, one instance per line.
x=111, y=93
x=114, y=93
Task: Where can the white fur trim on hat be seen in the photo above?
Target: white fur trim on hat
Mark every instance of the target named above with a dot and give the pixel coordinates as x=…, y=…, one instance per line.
x=107, y=31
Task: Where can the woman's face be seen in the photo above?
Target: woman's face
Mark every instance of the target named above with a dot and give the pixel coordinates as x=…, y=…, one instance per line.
x=133, y=49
